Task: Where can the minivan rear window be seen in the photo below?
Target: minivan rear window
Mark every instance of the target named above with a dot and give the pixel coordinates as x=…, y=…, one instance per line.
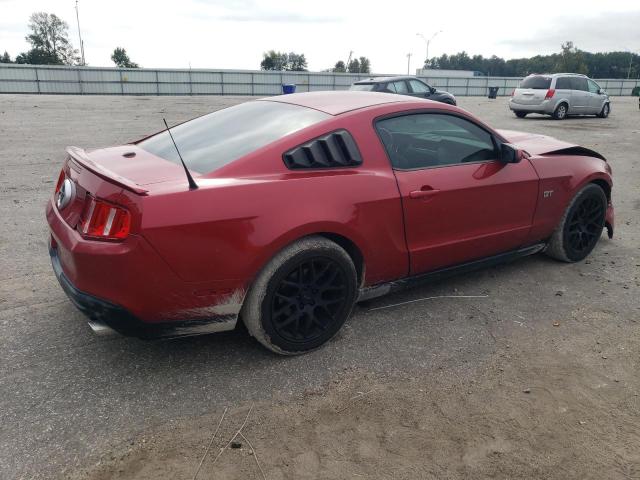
x=536, y=82
x=214, y=140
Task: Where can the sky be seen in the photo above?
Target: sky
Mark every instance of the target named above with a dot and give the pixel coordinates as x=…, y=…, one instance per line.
x=234, y=34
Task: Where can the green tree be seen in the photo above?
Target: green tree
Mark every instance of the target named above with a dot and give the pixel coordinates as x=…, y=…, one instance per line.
x=339, y=67
x=273, y=60
x=296, y=62
x=292, y=61
x=365, y=65
x=121, y=59
x=354, y=66
x=5, y=58
x=49, y=39
x=571, y=60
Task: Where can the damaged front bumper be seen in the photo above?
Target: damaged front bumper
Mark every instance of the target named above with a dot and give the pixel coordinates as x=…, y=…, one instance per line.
x=106, y=317
x=609, y=220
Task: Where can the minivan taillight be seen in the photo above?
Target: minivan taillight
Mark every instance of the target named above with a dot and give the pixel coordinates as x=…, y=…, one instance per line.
x=550, y=93
x=101, y=220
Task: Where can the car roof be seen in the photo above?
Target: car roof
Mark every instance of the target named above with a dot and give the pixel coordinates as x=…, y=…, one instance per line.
x=386, y=79
x=552, y=75
x=340, y=101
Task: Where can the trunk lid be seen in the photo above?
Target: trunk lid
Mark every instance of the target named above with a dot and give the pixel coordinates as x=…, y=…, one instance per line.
x=128, y=166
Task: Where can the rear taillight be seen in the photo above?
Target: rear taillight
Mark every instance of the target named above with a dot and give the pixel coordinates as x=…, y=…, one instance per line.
x=550, y=93
x=513, y=92
x=60, y=180
x=104, y=221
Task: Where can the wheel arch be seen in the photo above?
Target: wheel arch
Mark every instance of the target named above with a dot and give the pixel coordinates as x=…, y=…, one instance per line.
x=337, y=233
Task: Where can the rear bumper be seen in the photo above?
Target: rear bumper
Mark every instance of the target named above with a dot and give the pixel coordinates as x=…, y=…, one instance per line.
x=128, y=287
x=547, y=106
x=105, y=315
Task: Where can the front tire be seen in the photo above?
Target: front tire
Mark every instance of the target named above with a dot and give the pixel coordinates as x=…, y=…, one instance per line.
x=302, y=297
x=580, y=227
x=520, y=114
x=561, y=111
x=606, y=109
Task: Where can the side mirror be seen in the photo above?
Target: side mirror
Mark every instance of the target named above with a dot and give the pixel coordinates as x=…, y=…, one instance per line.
x=433, y=90
x=510, y=154
x=600, y=91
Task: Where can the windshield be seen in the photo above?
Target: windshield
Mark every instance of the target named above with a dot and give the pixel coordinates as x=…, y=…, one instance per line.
x=214, y=140
x=537, y=82
x=363, y=87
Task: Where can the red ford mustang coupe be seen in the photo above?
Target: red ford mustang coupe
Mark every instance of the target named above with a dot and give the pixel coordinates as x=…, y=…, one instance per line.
x=284, y=212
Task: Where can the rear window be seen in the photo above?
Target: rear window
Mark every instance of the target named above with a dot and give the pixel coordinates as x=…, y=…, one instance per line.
x=214, y=140
x=537, y=82
x=363, y=87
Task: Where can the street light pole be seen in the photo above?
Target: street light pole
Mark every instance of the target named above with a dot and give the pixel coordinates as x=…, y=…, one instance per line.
x=80, y=36
x=409, y=63
x=428, y=42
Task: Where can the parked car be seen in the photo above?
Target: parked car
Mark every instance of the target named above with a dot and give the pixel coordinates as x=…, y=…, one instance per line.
x=285, y=211
x=408, y=85
x=560, y=95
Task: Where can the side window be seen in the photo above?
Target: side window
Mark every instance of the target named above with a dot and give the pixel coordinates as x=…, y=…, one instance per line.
x=579, y=83
x=426, y=140
x=401, y=87
x=418, y=87
x=563, y=83
x=389, y=88
x=593, y=86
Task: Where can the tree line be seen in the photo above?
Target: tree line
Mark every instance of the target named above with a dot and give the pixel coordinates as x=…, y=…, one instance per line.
x=569, y=59
x=297, y=62
x=50, y=45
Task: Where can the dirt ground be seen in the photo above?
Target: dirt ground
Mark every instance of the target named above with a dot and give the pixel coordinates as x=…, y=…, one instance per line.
x=534, y=378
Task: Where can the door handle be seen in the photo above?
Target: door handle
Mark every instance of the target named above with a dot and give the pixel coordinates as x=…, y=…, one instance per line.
x=424, y=192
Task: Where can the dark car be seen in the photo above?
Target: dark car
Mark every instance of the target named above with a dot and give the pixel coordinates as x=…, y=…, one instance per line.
x=404, y=86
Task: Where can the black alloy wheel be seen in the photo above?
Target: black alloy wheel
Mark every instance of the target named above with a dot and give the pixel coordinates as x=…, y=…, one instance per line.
x=309, y=299
x=585, y=225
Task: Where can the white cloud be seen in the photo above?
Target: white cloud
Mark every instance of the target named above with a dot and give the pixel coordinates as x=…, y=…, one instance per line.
x=233, y=34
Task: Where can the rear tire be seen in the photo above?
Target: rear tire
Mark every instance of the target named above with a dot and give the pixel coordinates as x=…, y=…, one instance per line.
x=520, y=114
x=302, y=297
x=580, y=227
x=561, y=111
x=606, y=109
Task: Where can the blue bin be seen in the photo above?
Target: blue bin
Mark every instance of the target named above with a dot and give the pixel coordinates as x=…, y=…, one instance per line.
x=288, y=88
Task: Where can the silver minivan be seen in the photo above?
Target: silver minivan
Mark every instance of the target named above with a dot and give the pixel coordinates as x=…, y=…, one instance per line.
x=559, y=95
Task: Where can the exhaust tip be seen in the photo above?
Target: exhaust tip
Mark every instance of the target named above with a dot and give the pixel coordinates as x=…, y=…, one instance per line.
x=101, y=329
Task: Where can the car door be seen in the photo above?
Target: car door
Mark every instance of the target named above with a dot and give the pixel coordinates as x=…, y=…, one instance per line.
x=596, y=100
x=419, y=89
x=400, y=87
x=563, y=89
x=579, y=95
x=460, y=202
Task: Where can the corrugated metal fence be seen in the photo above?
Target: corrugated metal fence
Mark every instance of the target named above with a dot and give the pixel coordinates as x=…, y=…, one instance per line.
x=122, y=81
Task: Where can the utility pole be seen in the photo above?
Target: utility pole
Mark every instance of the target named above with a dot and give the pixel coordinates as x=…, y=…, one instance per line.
x=409, y=63
x=83, y=63
x=346, y=67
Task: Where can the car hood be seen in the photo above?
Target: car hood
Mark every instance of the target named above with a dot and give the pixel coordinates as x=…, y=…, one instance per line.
x=536, y=144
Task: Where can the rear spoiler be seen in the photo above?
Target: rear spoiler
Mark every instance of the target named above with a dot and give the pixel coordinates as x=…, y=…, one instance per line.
x=80, y=156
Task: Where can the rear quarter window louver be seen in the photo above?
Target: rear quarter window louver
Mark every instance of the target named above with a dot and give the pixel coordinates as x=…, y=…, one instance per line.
x=334, y=150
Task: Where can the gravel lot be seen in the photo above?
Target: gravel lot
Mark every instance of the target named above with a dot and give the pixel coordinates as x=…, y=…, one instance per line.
x=537, y=380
